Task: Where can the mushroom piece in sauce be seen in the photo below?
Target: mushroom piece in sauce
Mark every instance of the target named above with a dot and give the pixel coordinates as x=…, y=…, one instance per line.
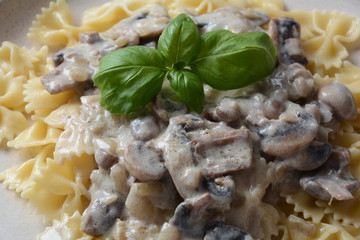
x=144, y=162
x=221, y=231
x=286, y=34
x=234, y=19
x=340, y=100
x=105, y=206
x=76, y=66
x=333, y=181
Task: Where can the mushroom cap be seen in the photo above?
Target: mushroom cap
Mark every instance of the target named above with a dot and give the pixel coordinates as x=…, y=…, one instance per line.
x=340, y=99
x=143, y=162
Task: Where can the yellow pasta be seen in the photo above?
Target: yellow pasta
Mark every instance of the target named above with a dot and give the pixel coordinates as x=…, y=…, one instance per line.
x=333, y=30
x=38, y=134
x=11, y=123
x=305, y=204
x=23, y=61
x=69, y=225
x=60, y=116
x=54, y=27
x=66, y=192
x=101, y=18
x=328, y=230
x=40, y=102
x=175, y=7
x=11, y=89
x=74, y=141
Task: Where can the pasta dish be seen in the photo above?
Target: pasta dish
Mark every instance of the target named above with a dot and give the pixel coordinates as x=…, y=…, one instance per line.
x=176, y=119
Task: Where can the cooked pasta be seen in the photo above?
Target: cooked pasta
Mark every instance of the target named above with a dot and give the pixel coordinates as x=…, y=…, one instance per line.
x=63, y=130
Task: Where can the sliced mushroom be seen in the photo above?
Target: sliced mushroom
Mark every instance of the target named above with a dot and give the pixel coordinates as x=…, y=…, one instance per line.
x=192, y=215
x=226, y=111
x=279, y=137
x=58, y=58
x=105, y=153
x=220, y=153
x=167, y=105
x=105, y=159
x=76, y=66
x=286, y=34
x=73, y=72
x=221, y=231
x=222, y=189
x=178, y=157
x=298, y=81
x=234, y=19
x=340, y=99
x=187, y=151
x=89, y=37
x=144, y=162
x=146, y=24
x=101, y=215
x=310, y=157
x=105, y=206
x=333, y=180
x=145, y=128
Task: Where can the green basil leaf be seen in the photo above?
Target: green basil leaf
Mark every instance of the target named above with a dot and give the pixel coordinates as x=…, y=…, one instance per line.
x=129, y=78
x=180, y=40
x=229, y=61
x=187, y=87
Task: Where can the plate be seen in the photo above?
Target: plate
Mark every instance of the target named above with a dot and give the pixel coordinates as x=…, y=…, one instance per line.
x=17, y=221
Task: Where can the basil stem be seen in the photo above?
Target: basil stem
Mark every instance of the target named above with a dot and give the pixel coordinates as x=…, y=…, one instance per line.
x=187, y=87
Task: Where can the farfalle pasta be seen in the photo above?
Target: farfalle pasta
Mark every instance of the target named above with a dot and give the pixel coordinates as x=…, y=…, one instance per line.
x=65, y=133
x=39, y=102
x=11, y=95
x=65, y=193
x=38, y=134
x=55, y=27
x=11, y=124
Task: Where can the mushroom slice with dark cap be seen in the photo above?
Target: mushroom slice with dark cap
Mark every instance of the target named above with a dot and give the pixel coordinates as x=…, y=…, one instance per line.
x=333, y=180
x=144, y=128
x=310, y=157
x=221, y=231
x=74, y=70
x=101, y=215
x=178, y=154
x=105, y=159
x=194, y=214
x=280, y=137
x=286, y=34
x=340, y=99
x=105, y=153
x=143, y=161
x=105, y=206
x=295, y=79
x=220, y=153
x=222, y=189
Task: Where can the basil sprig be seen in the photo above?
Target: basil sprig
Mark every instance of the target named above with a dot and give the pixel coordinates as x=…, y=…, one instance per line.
x=129, y=78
